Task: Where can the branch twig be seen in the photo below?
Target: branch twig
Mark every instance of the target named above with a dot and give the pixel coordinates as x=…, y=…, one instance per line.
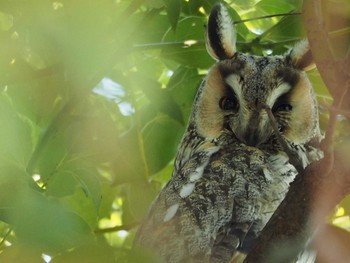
x=116, y=228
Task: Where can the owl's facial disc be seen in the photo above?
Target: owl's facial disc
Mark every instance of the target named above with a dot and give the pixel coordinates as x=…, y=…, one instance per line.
x=248, y=121
x=237, y=91
x=246, y=114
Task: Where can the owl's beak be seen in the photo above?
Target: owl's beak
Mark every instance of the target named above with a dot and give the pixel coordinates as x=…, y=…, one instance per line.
x=252, y=135
x=252, y=138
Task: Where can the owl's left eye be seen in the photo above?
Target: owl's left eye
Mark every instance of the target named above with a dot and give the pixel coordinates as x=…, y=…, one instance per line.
x=283, y=107
x=228, y=103
x=282, y=104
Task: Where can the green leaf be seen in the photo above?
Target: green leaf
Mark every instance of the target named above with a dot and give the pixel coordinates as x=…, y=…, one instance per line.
x=33, y=98
x=241, y=28
x=62, y=184
x=154, y=3
x=160, y=98
x=15, y=134
x=92, y=138
x=6, y=21
x=270, y=7
x=186, y=46
x=44, y=224
x=319, y=86
x=52, y=156
x=128, y=165
x=79, y=191
x=183, y=86
x=173, y=8
x=20, y=253
x=266, y=8
x=108, y=195
x=158, y=133
x=91, y=253
x=193, y=8
x=139, y=199
x=13, y=183
x=245, y=4
x=288, y=28
x=164, y=175
x=83, y=205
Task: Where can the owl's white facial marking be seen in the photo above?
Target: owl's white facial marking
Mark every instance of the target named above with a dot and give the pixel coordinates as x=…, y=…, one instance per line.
x=276, y=93
x=233, y=81
x=250, y=124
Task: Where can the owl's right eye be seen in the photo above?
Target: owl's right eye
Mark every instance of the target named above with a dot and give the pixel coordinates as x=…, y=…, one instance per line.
x=282, y=104
x=228, y=103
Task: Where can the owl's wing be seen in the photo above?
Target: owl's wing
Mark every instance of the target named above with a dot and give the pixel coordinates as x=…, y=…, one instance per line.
x=216, y=203
x=183, y=224
x=203, y=213
x=191, y=212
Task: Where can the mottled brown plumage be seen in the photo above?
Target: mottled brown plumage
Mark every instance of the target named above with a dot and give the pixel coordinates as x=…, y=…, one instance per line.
x=231, y=171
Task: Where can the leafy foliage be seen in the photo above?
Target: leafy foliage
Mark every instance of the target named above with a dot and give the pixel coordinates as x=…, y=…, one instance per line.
x=94, y=98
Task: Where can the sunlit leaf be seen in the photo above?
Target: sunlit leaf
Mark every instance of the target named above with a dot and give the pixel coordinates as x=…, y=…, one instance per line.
x=186, y=45
x=287, y=28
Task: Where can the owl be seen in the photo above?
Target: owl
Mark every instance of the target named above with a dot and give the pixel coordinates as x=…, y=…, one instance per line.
x=232, y=168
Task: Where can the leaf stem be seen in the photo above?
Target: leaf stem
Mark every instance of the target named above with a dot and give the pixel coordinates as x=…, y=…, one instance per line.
x=197, y=42
x=5, y=237
x=265, y=17
x=140, y=140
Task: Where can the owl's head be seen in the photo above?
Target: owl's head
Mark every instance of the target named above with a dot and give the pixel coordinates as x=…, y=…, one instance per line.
x=240, y=87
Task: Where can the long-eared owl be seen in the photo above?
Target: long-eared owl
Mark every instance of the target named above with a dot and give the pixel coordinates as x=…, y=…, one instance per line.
x=232, y=170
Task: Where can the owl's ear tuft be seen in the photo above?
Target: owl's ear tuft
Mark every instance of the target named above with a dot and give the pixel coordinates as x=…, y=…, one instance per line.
x=301, y=56
x=220, y=35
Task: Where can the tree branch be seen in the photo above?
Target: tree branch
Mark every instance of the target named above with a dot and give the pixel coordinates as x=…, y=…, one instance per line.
x=116, y=228
x=323, y=184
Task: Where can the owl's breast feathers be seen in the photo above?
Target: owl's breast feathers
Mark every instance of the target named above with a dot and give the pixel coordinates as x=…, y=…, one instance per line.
x=216, y=203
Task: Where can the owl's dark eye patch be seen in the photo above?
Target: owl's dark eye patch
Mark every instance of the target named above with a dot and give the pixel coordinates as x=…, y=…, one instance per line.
x=229, y=102
x=282, y=104
x=283, y=107
x=289, y=76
